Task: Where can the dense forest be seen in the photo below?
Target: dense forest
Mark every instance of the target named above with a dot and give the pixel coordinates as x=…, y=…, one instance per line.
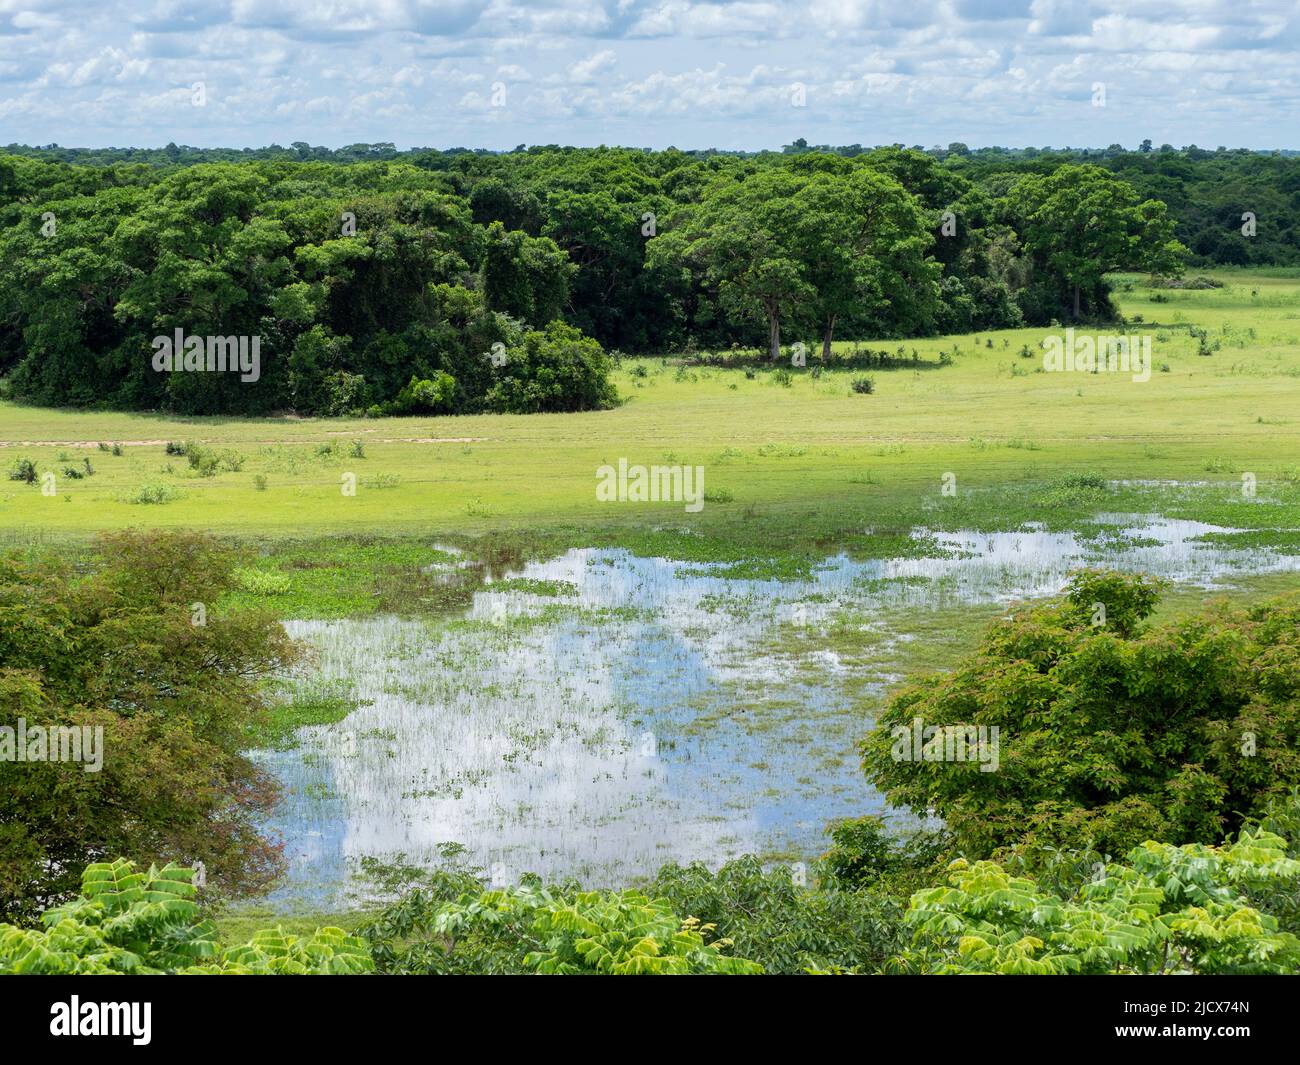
x=386, y=282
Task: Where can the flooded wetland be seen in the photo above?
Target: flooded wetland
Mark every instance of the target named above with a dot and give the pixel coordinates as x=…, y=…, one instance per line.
x=599, y=714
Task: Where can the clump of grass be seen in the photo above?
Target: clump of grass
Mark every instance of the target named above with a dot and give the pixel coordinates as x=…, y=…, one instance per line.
x=718, y=495
x=863, y=386
x=206, y=461
x=23, y=470
x=534, y=586
x=358, y=449
x=327, y=704
x=263, y=582
x=1081, y=480
x=153, y=494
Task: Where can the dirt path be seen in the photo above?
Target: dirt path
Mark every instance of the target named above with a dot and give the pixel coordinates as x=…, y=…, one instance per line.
x=160, y=443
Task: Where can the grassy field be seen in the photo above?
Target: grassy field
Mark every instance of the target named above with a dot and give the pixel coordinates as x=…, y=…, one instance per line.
x=804, y=463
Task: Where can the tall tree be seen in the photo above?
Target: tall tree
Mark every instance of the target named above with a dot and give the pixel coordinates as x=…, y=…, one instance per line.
x=1083, y=222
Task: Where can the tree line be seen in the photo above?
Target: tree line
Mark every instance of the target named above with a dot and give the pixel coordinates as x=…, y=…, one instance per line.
x=457, y=282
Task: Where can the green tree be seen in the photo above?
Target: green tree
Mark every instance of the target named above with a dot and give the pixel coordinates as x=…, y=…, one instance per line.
x=1109, y=732
x=118, y=649
x=742, y=241
x=1082, y=222
x=862, y=241
x=525, y=277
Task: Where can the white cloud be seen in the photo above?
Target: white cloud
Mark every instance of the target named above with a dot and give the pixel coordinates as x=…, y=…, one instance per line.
x=685, y=72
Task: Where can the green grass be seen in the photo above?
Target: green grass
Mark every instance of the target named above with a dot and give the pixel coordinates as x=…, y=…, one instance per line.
x=306, y=706
x=802, y=467
x=239, y=926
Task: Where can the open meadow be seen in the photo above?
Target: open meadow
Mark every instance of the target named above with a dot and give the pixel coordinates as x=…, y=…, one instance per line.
x=796, y=455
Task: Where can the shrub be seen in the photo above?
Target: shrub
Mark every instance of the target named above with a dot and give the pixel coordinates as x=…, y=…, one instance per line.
x=1167, y=910
x=153, y=493
x=433, y=396
x=114, y=648
x=784, y=926
x=549, y=931
x=863, y=854
x=126, y=922
x=863, y=386
x=555, y=369
x=23, y=470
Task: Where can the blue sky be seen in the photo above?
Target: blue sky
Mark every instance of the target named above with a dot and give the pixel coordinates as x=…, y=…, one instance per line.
x=744, y=74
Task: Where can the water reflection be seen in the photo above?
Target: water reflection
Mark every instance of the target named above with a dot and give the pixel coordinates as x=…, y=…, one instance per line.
x=639, y=710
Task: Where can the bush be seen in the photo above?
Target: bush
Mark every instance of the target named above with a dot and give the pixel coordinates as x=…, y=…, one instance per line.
x=863, y=386
x=432, y=396
x=786, y=927
x=555, y=369
x=153, y=493
x=126, y=922
x=23, y=470
x=863, y=854
x=549, y=931
x=1109, y=733
x=1167, y=910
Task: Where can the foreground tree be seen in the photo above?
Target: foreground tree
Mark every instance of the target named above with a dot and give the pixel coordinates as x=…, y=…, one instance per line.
x=140, y=650
x=1110, y=732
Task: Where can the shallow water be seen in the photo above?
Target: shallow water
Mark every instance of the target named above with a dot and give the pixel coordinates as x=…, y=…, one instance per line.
x=659, y=711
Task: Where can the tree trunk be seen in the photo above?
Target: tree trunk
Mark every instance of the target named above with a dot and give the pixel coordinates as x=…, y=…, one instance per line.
x=826, y=338
x=774, y=336
x=1076, y=301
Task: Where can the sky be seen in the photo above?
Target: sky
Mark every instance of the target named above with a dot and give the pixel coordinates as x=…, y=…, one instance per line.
x=732, y=74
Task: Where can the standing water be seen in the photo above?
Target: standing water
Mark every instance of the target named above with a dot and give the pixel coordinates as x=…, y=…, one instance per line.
x=600, y=714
